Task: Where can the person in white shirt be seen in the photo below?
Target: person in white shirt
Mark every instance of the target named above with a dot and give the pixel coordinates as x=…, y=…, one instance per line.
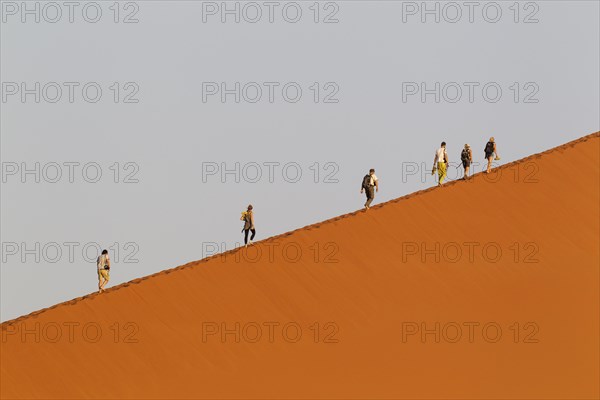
x=440, y=162
x=370, y=185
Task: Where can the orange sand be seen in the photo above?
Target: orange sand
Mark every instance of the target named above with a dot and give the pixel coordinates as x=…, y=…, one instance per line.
x=372, y=297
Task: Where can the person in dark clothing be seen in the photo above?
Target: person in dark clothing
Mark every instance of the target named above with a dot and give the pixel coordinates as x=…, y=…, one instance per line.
x=490, y=150
x=248, y=218
x=466, y=156
x=370, y=185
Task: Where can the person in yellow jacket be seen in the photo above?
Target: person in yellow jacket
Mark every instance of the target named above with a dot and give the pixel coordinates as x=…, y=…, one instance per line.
x=103, y=265
x=248, y=218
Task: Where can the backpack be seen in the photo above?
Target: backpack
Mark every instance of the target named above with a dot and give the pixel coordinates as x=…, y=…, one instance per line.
x=243, y=217
x=489, y=148
x=366, y=183
x=464, y=156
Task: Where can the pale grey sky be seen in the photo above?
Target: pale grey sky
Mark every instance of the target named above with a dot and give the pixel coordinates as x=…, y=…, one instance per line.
x=370, y=68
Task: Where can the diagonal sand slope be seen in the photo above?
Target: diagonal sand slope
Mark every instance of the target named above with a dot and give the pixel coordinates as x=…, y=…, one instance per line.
x=372, y=305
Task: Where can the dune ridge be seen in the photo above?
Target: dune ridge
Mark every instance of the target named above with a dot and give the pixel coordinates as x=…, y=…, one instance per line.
x=393, y=273
x=307, y=227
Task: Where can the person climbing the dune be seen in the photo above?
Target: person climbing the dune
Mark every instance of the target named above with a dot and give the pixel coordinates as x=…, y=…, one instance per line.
x=466, y=156
x=370, y=185
x=490, y=150
x=103, y=265
x=248, y=218
x=440, y=162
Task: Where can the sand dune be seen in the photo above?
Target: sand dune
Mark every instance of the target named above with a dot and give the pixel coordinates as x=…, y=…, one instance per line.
x=481, y=289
